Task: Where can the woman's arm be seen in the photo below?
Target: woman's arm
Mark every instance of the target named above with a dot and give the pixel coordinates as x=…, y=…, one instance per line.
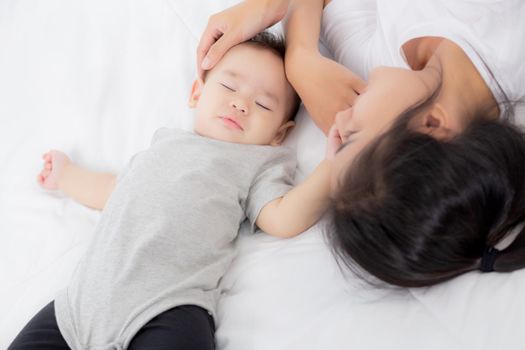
x=302, y=24
x=85, y=186
x=324, y=86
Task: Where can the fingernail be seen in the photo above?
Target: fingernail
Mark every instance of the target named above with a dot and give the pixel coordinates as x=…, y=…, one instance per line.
x=206, y=63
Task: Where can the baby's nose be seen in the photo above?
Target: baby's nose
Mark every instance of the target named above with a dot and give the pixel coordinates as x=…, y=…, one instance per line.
x=238, y=105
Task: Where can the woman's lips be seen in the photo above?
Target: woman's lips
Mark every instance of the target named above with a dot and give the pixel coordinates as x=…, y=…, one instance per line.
x=231, y=122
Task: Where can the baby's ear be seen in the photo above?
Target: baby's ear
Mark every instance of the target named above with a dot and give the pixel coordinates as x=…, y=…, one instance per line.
x=195, y=94
x=282, y=133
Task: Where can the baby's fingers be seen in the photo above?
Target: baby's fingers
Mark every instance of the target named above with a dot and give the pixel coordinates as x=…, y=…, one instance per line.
x=41, y=178
x=334, y=132
x=45, y=173
x=334, y=142
x=333, y=135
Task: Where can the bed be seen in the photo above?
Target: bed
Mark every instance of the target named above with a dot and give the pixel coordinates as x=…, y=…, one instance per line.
x=96, y=79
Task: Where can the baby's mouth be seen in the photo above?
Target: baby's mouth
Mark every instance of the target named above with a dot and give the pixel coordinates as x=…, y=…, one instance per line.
x=232, y=122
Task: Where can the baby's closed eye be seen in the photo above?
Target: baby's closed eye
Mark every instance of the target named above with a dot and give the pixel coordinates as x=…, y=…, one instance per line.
x=262, y=106
x=228, y=86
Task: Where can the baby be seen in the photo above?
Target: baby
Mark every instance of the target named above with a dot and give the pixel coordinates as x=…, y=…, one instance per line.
x=165, y=236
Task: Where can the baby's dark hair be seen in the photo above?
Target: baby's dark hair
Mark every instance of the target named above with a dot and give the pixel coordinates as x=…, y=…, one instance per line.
x=273, y=41
x=414, y=210
x=277, y=44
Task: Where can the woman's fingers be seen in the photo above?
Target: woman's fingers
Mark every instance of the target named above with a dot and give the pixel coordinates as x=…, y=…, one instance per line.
x=218, y=37
x=208, y=39
x=218, y=49
x=235, y=25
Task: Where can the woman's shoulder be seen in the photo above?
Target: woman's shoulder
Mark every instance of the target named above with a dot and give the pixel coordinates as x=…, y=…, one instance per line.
x=487, y=30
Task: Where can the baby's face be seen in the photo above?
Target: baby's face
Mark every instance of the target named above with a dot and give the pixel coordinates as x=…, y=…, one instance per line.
x=245, y=98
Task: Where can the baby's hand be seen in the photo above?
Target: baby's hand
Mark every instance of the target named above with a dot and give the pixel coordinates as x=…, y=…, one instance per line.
x=54, y=163
x=333, y=143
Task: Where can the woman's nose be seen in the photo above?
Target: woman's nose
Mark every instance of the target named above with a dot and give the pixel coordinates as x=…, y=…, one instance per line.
x=239, y=105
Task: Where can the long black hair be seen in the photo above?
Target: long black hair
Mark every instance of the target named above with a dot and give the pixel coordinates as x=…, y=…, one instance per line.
x=413, y=210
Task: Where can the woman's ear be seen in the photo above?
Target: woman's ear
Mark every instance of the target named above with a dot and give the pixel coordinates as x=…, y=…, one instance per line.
x=195, y=94
x=437, y=122
x=281, y=133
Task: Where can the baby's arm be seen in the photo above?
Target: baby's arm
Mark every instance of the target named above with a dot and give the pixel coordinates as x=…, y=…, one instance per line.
x=300, y=208
x=306, y=203
x=87, y=187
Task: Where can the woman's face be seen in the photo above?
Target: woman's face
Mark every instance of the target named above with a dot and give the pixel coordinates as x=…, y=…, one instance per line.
x=389, y=92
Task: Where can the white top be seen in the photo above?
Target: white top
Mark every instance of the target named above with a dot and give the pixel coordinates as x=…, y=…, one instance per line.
x=364, y=34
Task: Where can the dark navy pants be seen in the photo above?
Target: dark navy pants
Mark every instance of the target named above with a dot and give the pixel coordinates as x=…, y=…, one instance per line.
x=186, y=327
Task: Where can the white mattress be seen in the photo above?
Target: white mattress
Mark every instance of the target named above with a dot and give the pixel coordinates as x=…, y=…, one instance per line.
x=95, y=79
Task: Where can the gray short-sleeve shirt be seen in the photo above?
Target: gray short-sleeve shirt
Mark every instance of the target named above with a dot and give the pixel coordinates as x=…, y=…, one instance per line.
x=165, y=237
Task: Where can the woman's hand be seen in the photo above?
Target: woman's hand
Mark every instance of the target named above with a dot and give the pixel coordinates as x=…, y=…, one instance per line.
x=54, y=163
x=325, y=86
x=235, y=25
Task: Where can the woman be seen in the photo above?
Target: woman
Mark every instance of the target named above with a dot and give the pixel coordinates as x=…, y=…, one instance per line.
x=429, y=176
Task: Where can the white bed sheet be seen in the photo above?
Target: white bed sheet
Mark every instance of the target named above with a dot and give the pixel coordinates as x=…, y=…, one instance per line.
x=95, y=79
